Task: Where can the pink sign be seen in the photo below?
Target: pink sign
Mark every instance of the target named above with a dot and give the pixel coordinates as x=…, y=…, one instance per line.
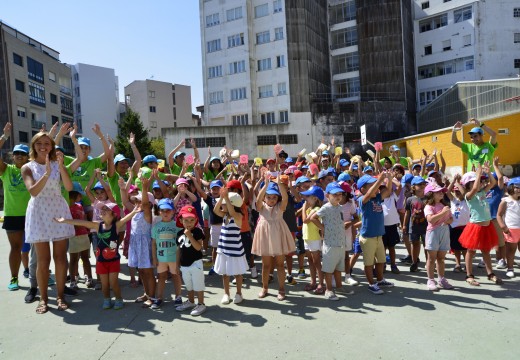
x=314, y=169
x=244, y=159
x=189, y=159
x=378, y=146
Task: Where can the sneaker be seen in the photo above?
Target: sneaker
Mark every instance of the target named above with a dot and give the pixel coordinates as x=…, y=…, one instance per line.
x=384, y=283
x=351, y=281
x=118, y=304
x=501, y=264
x=211, y=272
x=510, y=273
x=13, y=284
x=432, y=285
x=73, y=285
x=225, y=299
x=407, y=260
x=254, y=272
x=185, y=306
x=481, y=264
x=395, y=269
x=302, y=274
x=414, y=267
x=107, y=304
x=375, y=289
x=290, y=280
x=69, y=291
x=89, y=283
x=178, y=300
x=198, y=310
x=329, y=295
x=51, y=281
x=156, y=304
x=26, y=273
x=444, y=284
x=238, y=299
x=31, y=295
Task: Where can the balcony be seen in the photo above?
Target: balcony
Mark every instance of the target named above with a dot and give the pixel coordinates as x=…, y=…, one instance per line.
x=65, y=90
x=37, y=124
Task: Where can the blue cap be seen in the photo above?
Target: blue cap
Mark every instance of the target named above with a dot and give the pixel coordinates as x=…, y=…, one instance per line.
x=178, y=153
x=476, y=130
x=334, y=188
x=121, y=157
x=272, y=189
x=314, y=191
x=332, y=171
x=149, y=158
x=156, y=185
x=365, y=179
x=432, y=172
x=407, y=179
x=76, y=186
x=84, y=141
x=430, y=165
x=301, y=180
x=305, y=167
x=344, y=162
x=354, y=167
x=215, y=183
x=213, y=158
x=394, y=148
x=344, y=177
x=325, y=153
x=368, y=168
x=98, y=186
x=21, y=148
x=165, y=204
x=416, y=165
x=514, y=181
x=289, y=160
x=418, y=180
x=323, y=173
x=57, y=147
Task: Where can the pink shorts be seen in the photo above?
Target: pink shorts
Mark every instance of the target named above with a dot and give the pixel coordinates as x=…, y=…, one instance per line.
x=513, y=236
x=165, y=266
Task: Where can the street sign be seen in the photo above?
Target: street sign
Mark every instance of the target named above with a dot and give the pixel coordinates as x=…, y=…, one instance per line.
x=363, y=135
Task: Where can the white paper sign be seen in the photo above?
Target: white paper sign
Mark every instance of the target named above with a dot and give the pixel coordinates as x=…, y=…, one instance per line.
x=363, y=135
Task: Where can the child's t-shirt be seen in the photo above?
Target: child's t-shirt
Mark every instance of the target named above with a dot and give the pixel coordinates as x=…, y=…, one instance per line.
x=390, y=213
x=310, y=231
x=188, y=254
x=349, y=210
x=372, y=219
x=332, y=219
x=418, y=223
x=494, y=197
x=77, y=213
x=214, y=219
x=512, y=217
x=459, y=212
x=434, y=210
x=165, y=235
x=478, y=208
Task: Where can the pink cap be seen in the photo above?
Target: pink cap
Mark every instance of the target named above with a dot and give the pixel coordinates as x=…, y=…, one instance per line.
x=181, y=181
x=112, y=206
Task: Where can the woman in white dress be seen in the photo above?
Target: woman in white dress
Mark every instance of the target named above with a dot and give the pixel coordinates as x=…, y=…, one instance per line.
x=42, y=177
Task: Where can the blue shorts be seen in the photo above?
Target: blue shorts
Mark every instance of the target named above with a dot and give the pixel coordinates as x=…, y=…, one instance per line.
x=356, y=247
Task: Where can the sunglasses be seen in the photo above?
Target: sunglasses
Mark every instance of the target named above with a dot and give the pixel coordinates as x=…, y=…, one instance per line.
x=19, y=153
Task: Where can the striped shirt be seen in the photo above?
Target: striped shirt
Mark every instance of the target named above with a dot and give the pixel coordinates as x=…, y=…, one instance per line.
x=229, y=242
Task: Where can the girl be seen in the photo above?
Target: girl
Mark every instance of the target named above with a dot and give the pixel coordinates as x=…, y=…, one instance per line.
x=231, y=259
x=107, y=255
x=391, y=218
x=460, y=215
x=212, y=167
x=350, y=217
x=480, y=232
x=184, y=196
x=272, y=239
x=414, y=221
x=437, y=241
x=509, y=221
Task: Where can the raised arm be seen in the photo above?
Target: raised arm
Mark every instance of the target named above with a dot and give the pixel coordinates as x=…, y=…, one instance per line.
x=261, y=194
x=64, y=129
x=93, y=225
x=123, y=188
x=285, y=195
x=443, y=162
x=454, y=140
x=97, y=130
x=175, y=149
x=372, y=191
x=137, y=155
x=88, y=188
x=3, y=138
x=500, y=176
x=65, y=178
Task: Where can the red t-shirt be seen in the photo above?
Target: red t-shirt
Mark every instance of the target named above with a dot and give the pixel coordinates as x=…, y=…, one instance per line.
x=76, y=210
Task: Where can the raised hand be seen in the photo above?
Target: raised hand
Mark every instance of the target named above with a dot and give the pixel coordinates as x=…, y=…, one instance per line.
x=495, y=162
x=121, y=183
x=72, y=131
x=47, y=165
x=224, y=192
x=146, y=184
x=193, y=143
x=97, y=130
x=457, y=126
x=131, y=138
x=97, y=174
x=59, y=158
x=7, y=129
x=209, y=151
x=474, y=122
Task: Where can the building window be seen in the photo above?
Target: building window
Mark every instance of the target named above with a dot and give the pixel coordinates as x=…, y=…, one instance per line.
x=517, y=38
x=76, y=77
x=263, y=37
x=67, y=107
x=445, y=67
x=54, y=119
x=282, y=88
x=35, y=70
x=462, y=14
x=351, y=137
x=261, y=10
x=288, y=139
x=174, y=113
x=213, y=45
x=267, y=118
x=173, y=99
x=23, y=136
x=17, y=59
x=235, y=40
x=153, y=124
x=37, y=94
x=446, y=45
x=468, y=65
x=19, y=85
x=212, y=20
x=433, y=23
x=151, y=94
x=237, y=67
x=265, y=91
x=425, y=5
x=280, y=61
x=240, y=120
x=345, y=63
x=466, y=40
x=428, y=50
x=345, y=11
x=215, y=142
x=76, y=91
x=517, y=63
x=52, y=76
x=238, y=94
x=264, y=64
x=344, y=37
x=284, y=119
x=347, y=88
x=266, y=140
x=21, y=111
x=277, y=6
x=278, y=33
x=152, y=109
x=445, y=1
x=516, y=12
x=214, y=71
x=54, y=99
x=216, y=97
x=234, y=14
x=78, y=108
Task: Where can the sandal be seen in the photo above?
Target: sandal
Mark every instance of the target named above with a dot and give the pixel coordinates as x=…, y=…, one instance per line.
x=457, y=269
x=492, y=277
x=262, y=294
x=42, y=307
x=471, y=280
x=141, y=299
x=147, y=303
x=281, y=295
x=310, y=287
x=319, y=290
x=62, y=304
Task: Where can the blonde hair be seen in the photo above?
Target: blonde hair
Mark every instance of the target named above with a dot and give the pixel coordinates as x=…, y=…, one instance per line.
x=33, y=152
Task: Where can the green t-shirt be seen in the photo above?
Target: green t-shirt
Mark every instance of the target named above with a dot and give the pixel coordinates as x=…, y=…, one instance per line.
x=147, y=173
x=64, y=191
x=479, y=208
x=84, y=172
x=479, y=154
x=176, y=169
x=114, y=187
x=402, y=161
x=16, y=195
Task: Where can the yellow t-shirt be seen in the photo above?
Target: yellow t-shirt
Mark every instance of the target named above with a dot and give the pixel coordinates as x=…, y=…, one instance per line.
x=310, y=231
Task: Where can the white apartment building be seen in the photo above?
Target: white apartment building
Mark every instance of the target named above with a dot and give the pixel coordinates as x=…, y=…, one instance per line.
x=464, y=40
x=96, y=100
x=160, y=104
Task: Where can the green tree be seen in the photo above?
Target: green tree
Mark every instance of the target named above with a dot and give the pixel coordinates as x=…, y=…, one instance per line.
x=158, y=148
x=131, y=123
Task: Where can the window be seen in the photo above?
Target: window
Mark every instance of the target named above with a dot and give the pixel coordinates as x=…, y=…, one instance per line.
x=462, y=14
x=468, y=65
x=345, y=11
x=67, y=106
x=277, y=6
x=263, y=37
x=17, y=59
x=344, y=37
x=76, y=77
x=212, y=20
x=216, y=97
x=234, y=14
x=266, y=140
x=37, y=94
x=446, y=45
x=445, y=1
x=54, y=99
x=282, y=88
x=284, y=119
x=52, y=76
x=261, y=10
x=174, y=113
x=288, y=139
x=20, y=85
x=345, y=63
x=35, y=70
x=517, y=38
x=238, y=94
x=428, y=50
x=265, y=91
x=433, y=23
x=264, y=64
x=278, y=33
x=445, y=67
x=237, y=67
x=351, y=137
x=240, y=120
x=21, y=111
x=76, y=91
x=151, y=94
x=280, y=61
x=517, y=63
x=425, y=5
x=54, y=119
x=78, y=108
x=23, y=136
x=173, y=99
x=215, y=142
x=235, y=40
x=213, y=45
x=347, y=88
x=152, y=109
x=267, y=118
x=214, y=71
x=516, y=12
x=153, y=124
x=466, y=40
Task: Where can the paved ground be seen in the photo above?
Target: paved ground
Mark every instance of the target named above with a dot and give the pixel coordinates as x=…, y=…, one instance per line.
x=407, y=322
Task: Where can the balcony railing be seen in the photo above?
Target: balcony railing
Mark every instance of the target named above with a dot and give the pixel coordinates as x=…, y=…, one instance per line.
x=37, y=124
x=65, y=90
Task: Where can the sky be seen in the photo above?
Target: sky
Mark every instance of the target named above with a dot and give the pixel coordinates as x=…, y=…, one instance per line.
x=157, y=39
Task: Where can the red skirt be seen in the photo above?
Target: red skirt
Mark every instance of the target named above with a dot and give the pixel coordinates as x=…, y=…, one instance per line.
x=478, y=237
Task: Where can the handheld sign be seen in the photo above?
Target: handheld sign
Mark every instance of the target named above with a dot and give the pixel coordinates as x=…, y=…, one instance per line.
x=244, y=159
x=189, y=159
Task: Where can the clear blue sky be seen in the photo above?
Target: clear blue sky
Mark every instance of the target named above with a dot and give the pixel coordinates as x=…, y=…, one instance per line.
x=139, y=39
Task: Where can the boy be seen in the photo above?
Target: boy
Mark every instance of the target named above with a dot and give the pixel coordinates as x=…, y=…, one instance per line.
x=414, y=220
x=373, y=228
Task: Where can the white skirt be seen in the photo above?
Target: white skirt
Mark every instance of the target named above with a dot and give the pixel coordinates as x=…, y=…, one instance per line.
x=230, y=265
x=39, y=223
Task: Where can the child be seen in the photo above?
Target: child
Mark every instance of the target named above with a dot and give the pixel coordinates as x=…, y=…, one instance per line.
x=107, y=256
x=509, y=221
x=350, y=218
x=231, y=260
x=164, y=251
x=414, y=221
x=460, y=215
x=480, y=232
x=406, y=192
x=391, y=218
x=437, y=241
x=189, y=258
x=272, y=239
x=311, y=235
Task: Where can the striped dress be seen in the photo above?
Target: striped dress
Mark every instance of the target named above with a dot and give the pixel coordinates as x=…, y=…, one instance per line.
x=231, y=259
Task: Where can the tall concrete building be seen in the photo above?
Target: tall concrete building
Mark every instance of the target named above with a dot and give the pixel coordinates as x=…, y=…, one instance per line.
x=160, y=104
x=35, y=87
x=464, y=40
x=96, y=100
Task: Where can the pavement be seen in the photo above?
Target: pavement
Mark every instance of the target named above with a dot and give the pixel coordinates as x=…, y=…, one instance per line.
x=407, y=322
